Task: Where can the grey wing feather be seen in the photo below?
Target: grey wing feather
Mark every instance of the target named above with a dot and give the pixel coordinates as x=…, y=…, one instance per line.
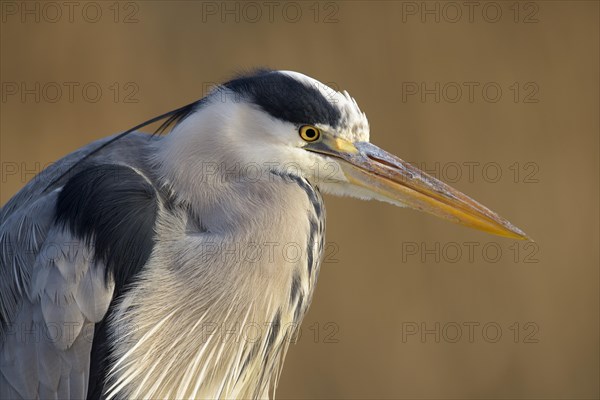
x=46, y=347
x=128, y=151
x=52, y=292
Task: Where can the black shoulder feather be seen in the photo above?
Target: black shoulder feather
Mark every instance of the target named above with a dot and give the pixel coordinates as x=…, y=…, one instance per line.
x=113, y=209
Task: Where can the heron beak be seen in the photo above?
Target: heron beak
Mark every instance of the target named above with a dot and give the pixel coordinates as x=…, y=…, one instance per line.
x=380, y=172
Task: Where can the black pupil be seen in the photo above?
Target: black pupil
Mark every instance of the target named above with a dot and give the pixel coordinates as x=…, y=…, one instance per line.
x=310, y=133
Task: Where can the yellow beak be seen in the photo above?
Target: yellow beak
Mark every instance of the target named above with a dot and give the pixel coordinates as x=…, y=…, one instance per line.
x=369, y=167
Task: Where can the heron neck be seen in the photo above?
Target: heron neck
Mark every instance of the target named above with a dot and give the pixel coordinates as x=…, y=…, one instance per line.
x=228, y=283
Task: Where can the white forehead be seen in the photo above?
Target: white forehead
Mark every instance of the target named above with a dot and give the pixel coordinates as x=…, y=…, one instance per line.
x=354, y=125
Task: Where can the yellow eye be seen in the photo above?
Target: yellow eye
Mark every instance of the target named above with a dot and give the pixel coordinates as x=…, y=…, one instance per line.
x=309, y=133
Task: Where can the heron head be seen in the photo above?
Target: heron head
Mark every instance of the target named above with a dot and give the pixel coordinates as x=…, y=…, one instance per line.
x=293, y=124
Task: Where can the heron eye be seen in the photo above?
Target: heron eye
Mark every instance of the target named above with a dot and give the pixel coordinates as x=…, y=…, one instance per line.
x=309, y=133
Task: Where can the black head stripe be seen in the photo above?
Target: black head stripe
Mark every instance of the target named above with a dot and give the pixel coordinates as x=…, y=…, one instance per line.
x=286, y=98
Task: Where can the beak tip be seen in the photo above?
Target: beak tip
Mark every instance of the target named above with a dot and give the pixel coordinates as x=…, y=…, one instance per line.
x=517, y=233
x=527, y=238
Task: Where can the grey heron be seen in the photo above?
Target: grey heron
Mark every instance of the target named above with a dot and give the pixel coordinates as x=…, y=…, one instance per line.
x=131, y=267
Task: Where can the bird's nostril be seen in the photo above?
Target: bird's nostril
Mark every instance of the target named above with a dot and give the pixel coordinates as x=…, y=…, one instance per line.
x=382, y=161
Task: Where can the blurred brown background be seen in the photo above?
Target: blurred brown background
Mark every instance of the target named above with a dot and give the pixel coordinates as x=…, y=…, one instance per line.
x=500, y=99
